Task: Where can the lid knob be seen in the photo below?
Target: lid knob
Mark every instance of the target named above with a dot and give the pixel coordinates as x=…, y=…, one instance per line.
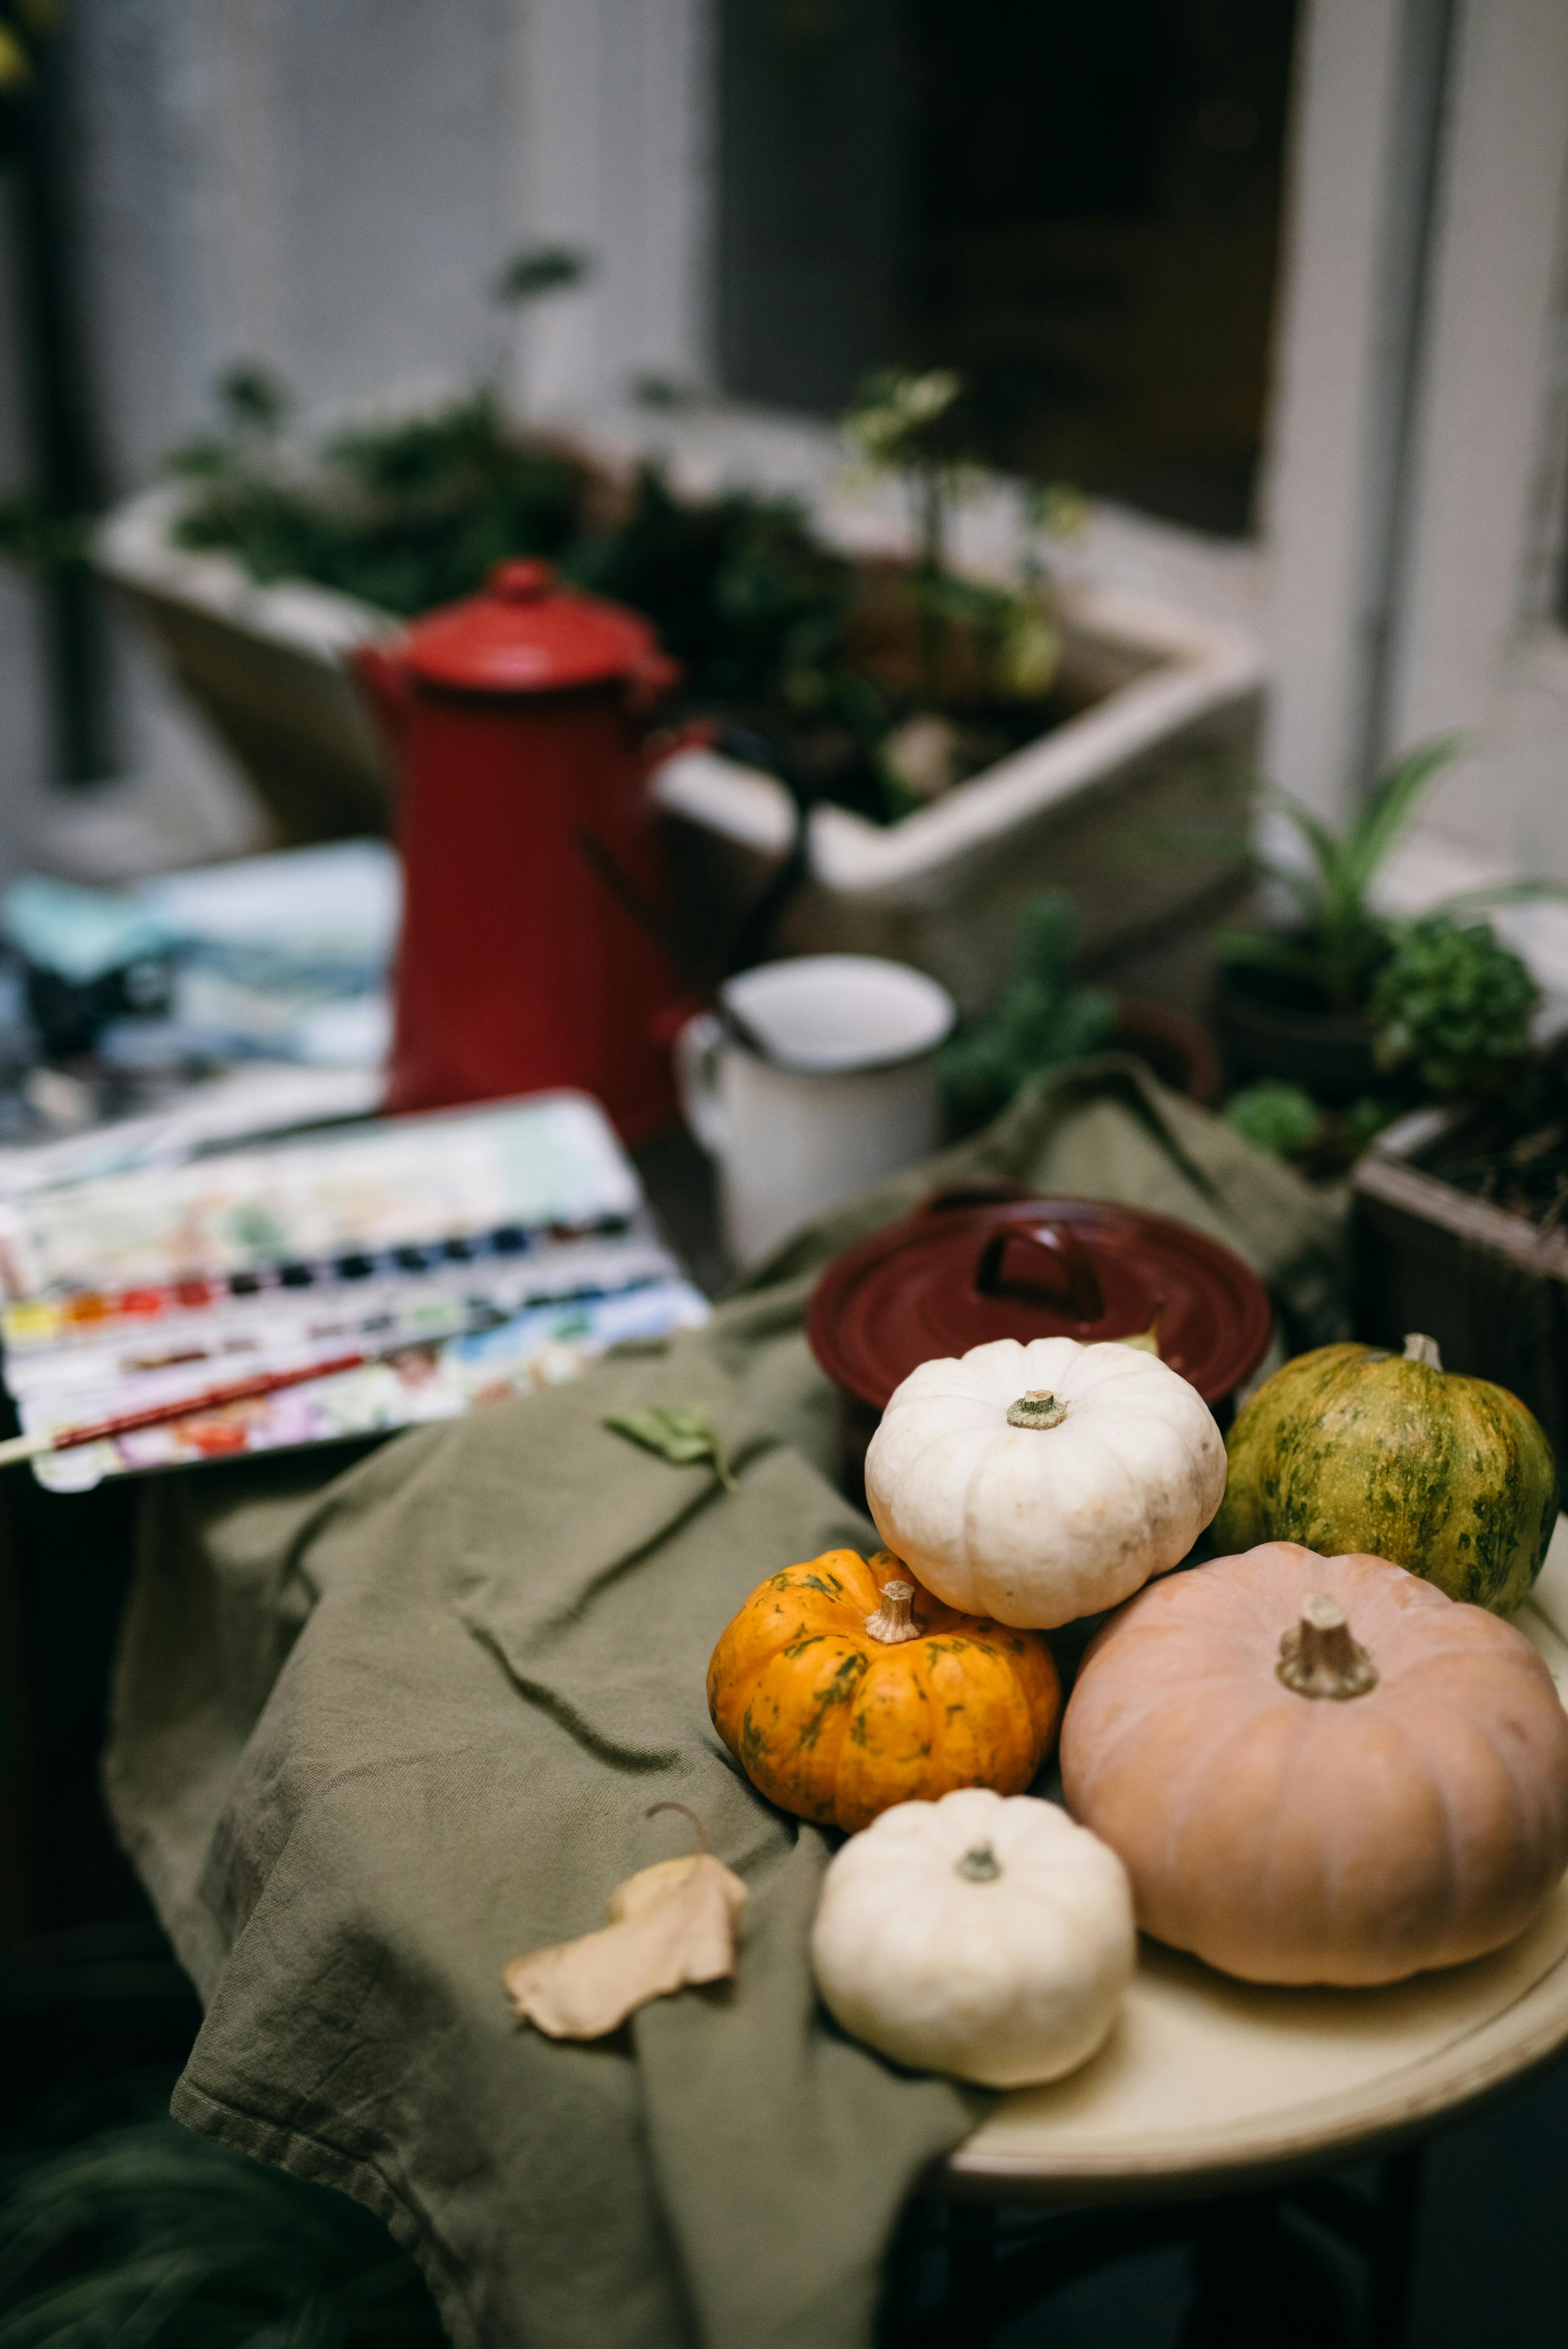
x=521, y=582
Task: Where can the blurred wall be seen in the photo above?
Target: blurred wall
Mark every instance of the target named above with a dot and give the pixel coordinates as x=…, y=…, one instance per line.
x=618, y=106
x=323, y=185
x=331, y=186
x=813, y=174
x=23, y=732
x=1420, y=479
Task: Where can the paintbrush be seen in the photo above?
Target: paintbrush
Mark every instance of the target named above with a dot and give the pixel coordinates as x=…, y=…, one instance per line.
x=260, y=1382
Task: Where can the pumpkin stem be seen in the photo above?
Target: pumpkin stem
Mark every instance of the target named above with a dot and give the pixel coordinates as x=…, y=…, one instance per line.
x=979, y=1865
x=1147, y=1341
x=893, y=1621
x=1317, y=1656
x=687, y=1812
x=1039, y=1408
x=1423, y=1350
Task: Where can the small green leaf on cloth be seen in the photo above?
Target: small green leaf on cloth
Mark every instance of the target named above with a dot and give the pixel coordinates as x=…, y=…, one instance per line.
x=677, y=1432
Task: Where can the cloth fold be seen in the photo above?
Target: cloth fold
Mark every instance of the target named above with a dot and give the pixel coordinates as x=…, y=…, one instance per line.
x=377, y=1729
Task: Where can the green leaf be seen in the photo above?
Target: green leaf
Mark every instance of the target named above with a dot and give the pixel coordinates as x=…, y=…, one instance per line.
x=1499, y=893
x=1275, y=1116
x=1268, y=950
x=1391, y=808
x=1305, y=887
x=540, y=269
x=678, y=1433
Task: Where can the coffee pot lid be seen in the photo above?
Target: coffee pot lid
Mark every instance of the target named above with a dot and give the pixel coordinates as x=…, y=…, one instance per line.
x=523, y=634
x=964, y=1269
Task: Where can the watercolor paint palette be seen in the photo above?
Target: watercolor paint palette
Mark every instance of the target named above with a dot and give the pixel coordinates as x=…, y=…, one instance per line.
x=472, y=1253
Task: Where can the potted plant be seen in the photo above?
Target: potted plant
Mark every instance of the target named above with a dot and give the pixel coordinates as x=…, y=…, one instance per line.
x=1459, y=1228
x=1320, y=1004
x=1047, y=1015
x=1079, y=722
x=1448, y=1019
x=1023, y=736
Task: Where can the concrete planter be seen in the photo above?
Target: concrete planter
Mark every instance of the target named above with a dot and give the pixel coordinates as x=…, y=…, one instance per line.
x=1117, y=805
x=1120, y=804
x=264, y=666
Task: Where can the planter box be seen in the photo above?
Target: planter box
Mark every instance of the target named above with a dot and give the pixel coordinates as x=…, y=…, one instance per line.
x=264, y=666
x=1118, y=805
x=1491, y=1288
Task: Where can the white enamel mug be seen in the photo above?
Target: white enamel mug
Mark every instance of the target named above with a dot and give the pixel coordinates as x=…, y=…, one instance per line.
x=847, y=1094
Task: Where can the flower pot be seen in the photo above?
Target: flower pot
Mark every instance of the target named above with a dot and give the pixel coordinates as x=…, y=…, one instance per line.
x=1177, y=1048
x=1269, y=1025
x=1490, y=1286
x=1115, y=804
x=1160, y=704
x=266, y=668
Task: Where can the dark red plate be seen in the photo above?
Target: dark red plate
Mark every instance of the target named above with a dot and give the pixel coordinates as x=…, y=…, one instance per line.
x=962, y=1270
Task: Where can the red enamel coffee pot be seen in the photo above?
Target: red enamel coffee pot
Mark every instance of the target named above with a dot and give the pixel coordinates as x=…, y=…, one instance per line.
x=527, y=838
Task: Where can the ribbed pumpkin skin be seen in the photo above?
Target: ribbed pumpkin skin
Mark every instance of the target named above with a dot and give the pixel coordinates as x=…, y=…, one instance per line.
x=828, y=1722
x=1288, y=1838
x=1350, y=1449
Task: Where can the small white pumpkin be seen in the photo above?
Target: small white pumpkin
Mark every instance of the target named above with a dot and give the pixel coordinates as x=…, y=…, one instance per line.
x=1036, y=1483
x=985, y=1935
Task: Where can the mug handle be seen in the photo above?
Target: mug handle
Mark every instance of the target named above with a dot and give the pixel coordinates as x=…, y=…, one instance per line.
x=695, y=1057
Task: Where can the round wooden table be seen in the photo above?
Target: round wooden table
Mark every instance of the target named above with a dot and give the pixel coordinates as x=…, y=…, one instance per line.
x=1216, y=2089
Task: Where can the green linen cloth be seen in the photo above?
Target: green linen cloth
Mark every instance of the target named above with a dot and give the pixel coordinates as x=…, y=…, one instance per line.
x=377, y=1731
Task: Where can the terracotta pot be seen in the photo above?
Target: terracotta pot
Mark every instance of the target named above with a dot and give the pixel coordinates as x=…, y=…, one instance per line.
x=1176, y=1047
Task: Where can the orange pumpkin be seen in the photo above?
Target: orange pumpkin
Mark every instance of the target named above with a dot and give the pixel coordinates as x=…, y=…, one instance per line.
x=843, y=1687
x=1320, y=1769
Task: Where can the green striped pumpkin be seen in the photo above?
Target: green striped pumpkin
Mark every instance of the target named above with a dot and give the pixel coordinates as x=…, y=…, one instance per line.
x=1354, y=1448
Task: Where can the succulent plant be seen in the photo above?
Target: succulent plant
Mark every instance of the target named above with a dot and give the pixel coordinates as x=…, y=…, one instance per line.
x=1343, y=940
x=1453, y=1007
x=1044, y=1017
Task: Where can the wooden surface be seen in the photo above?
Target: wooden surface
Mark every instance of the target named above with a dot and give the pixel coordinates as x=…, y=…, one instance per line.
x=1387, y=1179
x=1207, y=2081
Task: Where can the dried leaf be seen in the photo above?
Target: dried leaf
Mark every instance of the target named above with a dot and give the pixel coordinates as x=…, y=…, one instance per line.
x=678, y=1433
x=670, y=1924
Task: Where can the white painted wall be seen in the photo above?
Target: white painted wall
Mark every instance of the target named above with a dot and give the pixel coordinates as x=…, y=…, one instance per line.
x=330, y=186
x=1450, y=620
x=616, y=157
x=325, y=185
x=23, y=740
x=1481, y=645
x=1346, y=318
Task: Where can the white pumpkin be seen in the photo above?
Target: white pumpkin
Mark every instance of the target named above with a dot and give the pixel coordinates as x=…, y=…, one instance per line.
x=985, y=1935
x=1036, y=1483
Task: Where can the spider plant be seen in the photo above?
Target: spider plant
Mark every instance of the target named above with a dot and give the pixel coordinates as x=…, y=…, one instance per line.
x=1342, y=941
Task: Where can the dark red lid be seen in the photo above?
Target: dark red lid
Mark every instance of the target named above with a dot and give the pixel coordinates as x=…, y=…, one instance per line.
x=524, y=634
x=961, y=1271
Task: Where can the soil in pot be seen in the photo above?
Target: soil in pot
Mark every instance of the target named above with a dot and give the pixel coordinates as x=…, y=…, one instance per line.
x=858, y=683
x=1512, y=1152
x=1269, y=1024
x=871, y=684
